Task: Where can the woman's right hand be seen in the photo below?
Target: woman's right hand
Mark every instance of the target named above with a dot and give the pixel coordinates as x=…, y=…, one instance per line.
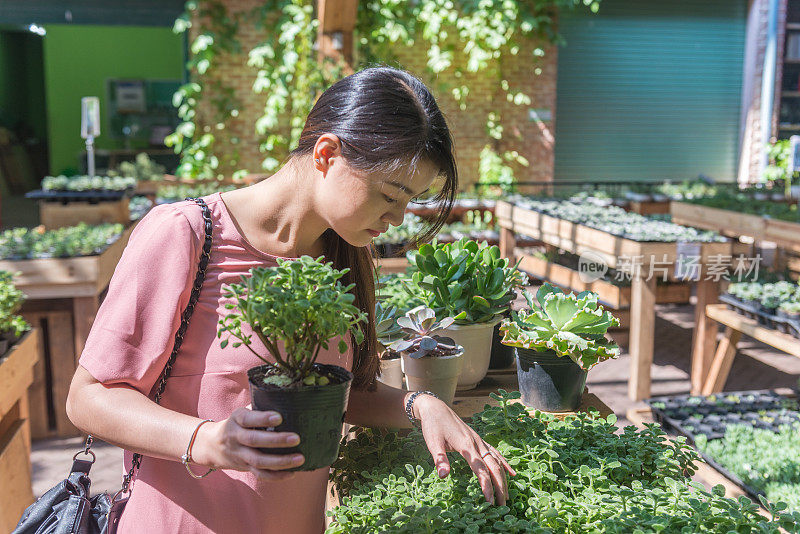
x=234, y=443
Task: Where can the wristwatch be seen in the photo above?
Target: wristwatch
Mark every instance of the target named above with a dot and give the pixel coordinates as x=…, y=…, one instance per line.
x=410, y=404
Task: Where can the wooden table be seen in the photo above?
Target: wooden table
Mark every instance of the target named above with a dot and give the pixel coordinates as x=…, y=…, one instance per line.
x=467, y=403
x=736, y=324
x=16, y=375
x=63, y=296
x=579, y=239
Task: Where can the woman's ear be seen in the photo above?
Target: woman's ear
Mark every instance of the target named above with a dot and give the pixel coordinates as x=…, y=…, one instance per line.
x=327, y=148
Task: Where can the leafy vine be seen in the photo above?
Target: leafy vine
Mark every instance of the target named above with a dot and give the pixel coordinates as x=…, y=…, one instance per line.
x=193, y=138
x=469, y=37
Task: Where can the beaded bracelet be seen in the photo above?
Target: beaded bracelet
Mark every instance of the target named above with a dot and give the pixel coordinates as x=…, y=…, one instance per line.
x=410, y=404
x=186, y=458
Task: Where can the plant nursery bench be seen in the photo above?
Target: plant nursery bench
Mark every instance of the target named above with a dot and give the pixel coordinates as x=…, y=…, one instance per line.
x=785, y=234
x=581, y=239
x=468, y=402
x=63, y=296
x=713, y=380
x=16, y=375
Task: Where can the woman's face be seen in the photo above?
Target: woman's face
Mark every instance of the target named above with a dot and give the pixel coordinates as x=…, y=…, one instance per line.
x=360, y=206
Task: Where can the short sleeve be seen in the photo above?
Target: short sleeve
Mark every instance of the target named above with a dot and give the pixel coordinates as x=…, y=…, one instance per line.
x=134, y=331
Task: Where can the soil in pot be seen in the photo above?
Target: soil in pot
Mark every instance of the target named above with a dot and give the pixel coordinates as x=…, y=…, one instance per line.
x=438, y=374
x=548, y=382
x=502, y=356
x=315, y=413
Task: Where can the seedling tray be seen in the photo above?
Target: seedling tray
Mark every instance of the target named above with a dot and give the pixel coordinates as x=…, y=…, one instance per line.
x=776, y=322
x=93, y=195
x=691, y=415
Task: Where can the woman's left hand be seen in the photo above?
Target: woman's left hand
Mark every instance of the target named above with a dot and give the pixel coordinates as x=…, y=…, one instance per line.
x=444, y=431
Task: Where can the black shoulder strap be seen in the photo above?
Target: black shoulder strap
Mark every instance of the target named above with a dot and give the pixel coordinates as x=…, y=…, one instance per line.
x=185, y=316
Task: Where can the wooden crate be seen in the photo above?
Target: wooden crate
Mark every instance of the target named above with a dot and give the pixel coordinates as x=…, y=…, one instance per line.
x=83, y=276
x=16, y=374
x=649, y=207
x=56, y=215
x=53, y=372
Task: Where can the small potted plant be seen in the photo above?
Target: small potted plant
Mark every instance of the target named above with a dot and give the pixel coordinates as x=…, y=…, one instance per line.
x=473, y=284
x=295, y=309
x=388, y=331
x=558, y=340
x=430, y=362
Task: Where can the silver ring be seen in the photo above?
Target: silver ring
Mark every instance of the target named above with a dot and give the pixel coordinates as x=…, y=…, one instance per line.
x=485, y=454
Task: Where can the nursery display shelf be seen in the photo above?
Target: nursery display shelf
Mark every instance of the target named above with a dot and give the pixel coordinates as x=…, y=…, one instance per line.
x=63, y=296
x=713, y=380
x=608, y=293
x=81, y=276
x=468, y=402
x=609, y=248
x=736, y=224
x=578, y=238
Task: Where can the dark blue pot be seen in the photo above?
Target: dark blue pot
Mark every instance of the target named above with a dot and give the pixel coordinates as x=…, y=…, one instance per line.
x=549, y=383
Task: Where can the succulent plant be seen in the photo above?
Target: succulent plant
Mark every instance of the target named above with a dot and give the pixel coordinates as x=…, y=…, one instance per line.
x=465, y=280
x=567, y=324
x=386, y=328
x=418, y=327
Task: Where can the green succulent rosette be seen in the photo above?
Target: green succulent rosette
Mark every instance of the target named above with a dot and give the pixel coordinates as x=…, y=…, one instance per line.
x=567, y=324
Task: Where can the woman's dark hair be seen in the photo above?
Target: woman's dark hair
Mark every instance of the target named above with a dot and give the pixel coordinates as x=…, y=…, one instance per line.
x=386, y=119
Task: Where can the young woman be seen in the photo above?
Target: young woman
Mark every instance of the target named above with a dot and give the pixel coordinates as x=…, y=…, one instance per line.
x=373, y=141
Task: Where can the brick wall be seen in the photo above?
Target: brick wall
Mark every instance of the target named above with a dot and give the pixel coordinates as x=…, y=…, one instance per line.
x=468, y=126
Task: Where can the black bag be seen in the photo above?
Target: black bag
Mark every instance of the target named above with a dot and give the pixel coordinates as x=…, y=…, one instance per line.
x=67, y=507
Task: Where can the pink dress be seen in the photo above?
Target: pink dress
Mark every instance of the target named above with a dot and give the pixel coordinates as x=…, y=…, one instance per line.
x=130, y=342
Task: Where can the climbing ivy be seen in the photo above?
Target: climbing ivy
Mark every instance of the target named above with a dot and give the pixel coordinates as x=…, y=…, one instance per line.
x=463, y=37
x=469, y=37
x=289, y=74
x=194, y=138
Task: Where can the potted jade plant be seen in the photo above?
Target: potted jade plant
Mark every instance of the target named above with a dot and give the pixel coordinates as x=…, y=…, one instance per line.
x=558, y=340
x=473, y=284
x=388, y=331
x=295, y=309
x=430, y=362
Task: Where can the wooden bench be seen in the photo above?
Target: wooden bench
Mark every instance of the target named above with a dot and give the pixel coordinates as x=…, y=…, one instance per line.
x=736, y=324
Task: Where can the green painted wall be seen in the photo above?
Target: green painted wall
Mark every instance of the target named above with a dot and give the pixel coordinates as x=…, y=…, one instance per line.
x=77, y=62
x=650, y=90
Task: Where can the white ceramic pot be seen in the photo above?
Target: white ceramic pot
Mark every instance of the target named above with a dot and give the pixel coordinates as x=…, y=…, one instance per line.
x=477, y=342
x=436, y=374
x=391, y=373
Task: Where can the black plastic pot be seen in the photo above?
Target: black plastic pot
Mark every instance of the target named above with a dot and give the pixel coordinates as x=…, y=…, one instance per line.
x=315, y=413
x=548, y=382
x=502, y=356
